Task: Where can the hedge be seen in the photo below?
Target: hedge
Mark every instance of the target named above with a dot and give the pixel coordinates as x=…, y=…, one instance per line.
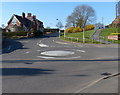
x=38, y=34
x=22, y=33
x=51, y=30
x=78, y=29
x=14, y=33
x=69, y=30
x=89, y=27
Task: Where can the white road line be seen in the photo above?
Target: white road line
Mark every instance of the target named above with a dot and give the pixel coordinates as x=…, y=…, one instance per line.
x=38, y=50
x=27, y=52
x=78, y=91
x=46, y=57
x=81, y=51
x=94, y=82
x=43, y=45
x=61, y=43
x=40, y=41
x=37, y=43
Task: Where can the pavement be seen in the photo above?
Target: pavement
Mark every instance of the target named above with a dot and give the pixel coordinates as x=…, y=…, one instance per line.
x=96, y=37
x=39, y=65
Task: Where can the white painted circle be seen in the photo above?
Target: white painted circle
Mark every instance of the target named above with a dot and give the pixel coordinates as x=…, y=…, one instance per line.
x=57, y=53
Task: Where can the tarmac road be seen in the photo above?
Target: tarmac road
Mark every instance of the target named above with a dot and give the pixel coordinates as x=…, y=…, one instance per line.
x=50, y=65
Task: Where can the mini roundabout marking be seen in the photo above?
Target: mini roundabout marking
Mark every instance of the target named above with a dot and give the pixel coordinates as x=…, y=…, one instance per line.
x=61, y=54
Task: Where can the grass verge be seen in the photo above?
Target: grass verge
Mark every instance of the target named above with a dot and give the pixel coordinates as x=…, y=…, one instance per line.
x=109, y=31
x=78, y=37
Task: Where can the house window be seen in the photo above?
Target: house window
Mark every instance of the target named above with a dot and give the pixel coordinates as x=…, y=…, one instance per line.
x=12, y=29
x=14, y=21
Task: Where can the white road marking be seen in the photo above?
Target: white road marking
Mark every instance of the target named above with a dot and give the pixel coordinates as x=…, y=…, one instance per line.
x=37, y=43
x=43, y=45
x=78, y=50
x=57, y=53
x=81, y=51
x=38, y=50
x=46, y=57
x=78, y=91
x=94, y=82
x=58, y=57
x=61, y=43
x=27, y=52
x=40, y=41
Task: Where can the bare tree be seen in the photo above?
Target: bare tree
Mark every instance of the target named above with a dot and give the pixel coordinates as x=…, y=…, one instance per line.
x=71, y=22
x=59, y=25
x=82, y=15
x=99, y=25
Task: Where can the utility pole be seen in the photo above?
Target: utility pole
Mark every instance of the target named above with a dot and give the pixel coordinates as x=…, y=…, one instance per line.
x=116, y=10
x=102, y=22
x=65, y=32
x=83, y=35
x=59, y=28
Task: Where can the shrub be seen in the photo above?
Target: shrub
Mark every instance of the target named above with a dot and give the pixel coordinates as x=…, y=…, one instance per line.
x=50, y=30
x=77, y=29
x=69, y=30
x=89, y=27
x=37, y=34
x=19, y=33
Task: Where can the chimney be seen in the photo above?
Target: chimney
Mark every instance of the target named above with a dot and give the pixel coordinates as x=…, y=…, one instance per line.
x=29, y=15
x=34, y=16
x=23, y=15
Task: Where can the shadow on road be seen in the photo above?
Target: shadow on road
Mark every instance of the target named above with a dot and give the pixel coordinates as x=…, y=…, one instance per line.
x=55, y=34
x=25, y=71
x=81, y=75
x=11, y=45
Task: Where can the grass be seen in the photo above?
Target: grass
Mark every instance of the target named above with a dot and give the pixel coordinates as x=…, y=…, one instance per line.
x=80, y=36
x=106, y=32
x=109, y=31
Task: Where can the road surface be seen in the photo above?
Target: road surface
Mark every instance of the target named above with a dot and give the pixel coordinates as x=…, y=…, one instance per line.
x=50, y=65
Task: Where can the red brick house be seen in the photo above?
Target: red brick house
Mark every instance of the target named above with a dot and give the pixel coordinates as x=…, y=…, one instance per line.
x=117, y=20
x=23, y=23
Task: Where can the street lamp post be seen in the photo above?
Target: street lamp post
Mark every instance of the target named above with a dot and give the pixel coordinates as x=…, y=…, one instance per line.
x=59, y=29
x=65, y=32
x=59, y=33
x=83, y=34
